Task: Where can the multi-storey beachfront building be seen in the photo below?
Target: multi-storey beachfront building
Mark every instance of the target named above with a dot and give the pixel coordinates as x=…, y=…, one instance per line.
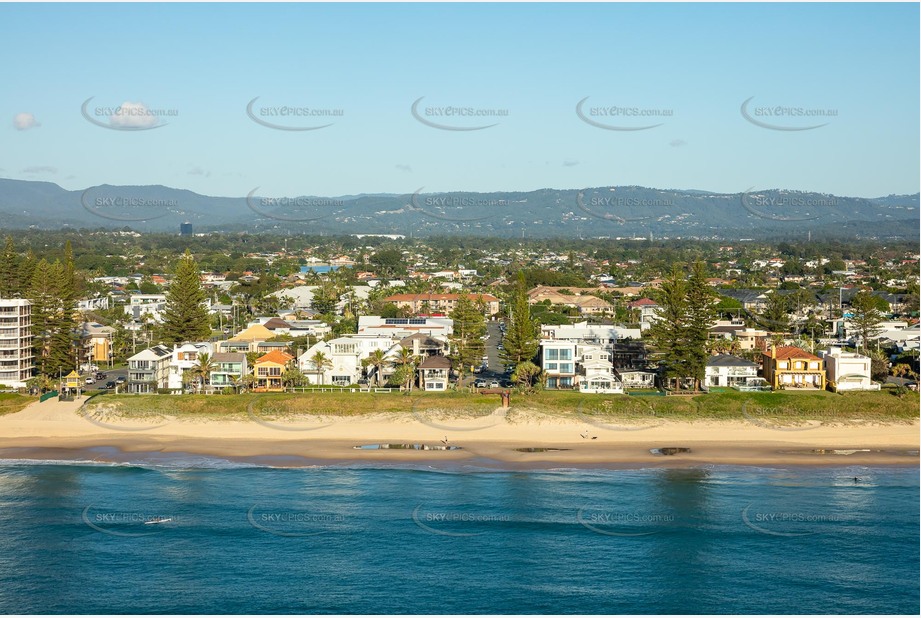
x=148, y=370
x=140, y=305
x=400, y=328
x=848, y=371
x=442, y=303
x=792, y=367
x=229, y=369
x=16, y=359
x=344, y=356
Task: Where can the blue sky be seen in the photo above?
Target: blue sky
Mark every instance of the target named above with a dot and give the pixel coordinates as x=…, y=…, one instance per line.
x=691, y=66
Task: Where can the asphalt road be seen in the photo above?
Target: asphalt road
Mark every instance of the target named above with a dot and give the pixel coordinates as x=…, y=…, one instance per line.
x=495, y=370
x=111, y=374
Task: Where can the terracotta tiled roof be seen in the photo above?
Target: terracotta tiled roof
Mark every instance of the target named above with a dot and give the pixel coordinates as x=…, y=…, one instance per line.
x=275, y=356
x=785, y=352
x=423, y=297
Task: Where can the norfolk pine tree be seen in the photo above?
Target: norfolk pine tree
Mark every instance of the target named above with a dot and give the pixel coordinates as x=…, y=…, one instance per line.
x=467, y=339
x=866, y=316
x=522, y=337
x=701, y=313
x=185, y=317
x=668, y=332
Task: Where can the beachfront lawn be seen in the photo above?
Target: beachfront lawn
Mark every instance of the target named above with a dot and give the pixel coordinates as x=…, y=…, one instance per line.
x=14, y=402
x=274, y=406
x=785, y=407
x=777, y=407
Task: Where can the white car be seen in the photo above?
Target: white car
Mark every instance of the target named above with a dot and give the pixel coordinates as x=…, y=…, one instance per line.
x=90, y=380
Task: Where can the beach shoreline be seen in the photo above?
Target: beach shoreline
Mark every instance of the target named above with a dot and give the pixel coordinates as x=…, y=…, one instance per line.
x=57, y=430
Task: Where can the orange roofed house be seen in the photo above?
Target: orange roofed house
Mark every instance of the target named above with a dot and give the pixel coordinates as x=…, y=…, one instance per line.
x=441, y=303
x=269, y=369
x=791, y=367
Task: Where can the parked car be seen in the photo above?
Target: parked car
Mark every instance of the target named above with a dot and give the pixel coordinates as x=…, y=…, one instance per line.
x=480, y=384
x=494, y=384
x=100, y=375
x=90, y=380
x=110, y=384
x=120, y=380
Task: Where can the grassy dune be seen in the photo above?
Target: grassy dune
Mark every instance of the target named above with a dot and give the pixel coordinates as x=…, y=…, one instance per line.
x=13, y=402
x=779, y=408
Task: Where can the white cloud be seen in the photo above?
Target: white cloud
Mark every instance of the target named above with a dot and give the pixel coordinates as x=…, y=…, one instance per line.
x=133, y=115
x=25, y=121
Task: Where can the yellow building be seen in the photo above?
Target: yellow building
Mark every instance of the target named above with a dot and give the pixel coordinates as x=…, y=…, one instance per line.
x=791, y=367
x=269, y=369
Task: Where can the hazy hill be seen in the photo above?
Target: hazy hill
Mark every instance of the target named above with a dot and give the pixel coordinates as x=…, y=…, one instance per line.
x=621, y=211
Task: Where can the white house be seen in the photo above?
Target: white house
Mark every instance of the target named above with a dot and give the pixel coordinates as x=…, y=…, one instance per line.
x=183, y=358
x=648, y=310
x=596, y=372
x=93, y=304
x=344, y=355
x=557, y=360
x=638, y=378
x=848, y=371
x=148, y=370
x=730, y=371
x=434, y=372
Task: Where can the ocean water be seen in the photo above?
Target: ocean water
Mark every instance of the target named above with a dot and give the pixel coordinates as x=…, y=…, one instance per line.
x=247, y=538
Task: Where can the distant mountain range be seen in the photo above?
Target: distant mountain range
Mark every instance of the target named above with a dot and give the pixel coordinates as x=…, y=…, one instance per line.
x=622, y=211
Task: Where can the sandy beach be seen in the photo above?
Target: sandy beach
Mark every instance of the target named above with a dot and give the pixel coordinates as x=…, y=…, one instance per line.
x=59, y=430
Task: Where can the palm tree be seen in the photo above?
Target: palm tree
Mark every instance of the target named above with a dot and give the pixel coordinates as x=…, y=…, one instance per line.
x=320, y=362
x=236, y=382
x=377, y=358
x=203, y=368
x=188, y=376
x=406, y=359
x=734, y=346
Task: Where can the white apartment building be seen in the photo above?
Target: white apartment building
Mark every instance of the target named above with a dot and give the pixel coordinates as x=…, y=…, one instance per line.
x=16, y=360
x=399, y=328
x=140, y=304
x=558, y=362
x=848, y=371
x=602, y=335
